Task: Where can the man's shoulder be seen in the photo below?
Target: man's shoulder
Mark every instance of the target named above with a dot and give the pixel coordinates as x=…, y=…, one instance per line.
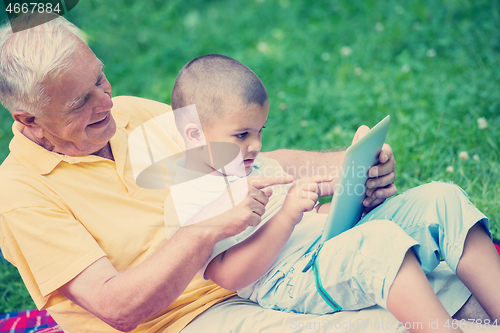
x=11, y=168
x=138, y=109
x=19, y=184
x=138, y=102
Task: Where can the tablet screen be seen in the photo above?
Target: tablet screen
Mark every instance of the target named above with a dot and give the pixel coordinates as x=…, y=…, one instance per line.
x=347, y=201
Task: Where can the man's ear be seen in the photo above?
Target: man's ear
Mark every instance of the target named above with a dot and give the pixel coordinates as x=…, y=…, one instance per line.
x=194, y=134
x=28, y=120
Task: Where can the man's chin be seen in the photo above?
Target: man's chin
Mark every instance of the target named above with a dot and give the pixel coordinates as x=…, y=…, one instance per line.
x=106, y=136
x=108, y=132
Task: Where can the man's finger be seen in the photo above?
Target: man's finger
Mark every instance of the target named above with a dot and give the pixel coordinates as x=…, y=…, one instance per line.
x=379, y=195
x=385, y=153
x=261, y=182
x=380, y=182
x=374, y=203
x=386, y=192
x=382, y=169
x=386, y=165
x=387, y=150
x=360, y=132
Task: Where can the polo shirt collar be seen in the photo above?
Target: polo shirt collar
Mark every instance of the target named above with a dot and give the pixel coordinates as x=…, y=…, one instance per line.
x=43, y=161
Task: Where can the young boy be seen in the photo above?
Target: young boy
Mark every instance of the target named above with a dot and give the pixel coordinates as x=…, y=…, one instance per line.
x=383, y=260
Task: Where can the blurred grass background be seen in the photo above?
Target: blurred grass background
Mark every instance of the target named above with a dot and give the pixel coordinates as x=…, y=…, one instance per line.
x=329, y=66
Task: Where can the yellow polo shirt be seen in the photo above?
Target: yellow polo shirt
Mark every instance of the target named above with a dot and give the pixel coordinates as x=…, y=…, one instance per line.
x=59, y=214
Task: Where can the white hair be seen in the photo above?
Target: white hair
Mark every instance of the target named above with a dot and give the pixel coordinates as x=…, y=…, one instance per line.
x=29, y=56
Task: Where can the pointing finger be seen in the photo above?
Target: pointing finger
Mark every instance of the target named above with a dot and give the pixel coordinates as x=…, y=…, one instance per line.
x=261, y=182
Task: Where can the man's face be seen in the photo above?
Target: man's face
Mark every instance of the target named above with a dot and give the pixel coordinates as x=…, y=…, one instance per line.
x=243, y=126
x=77, y=121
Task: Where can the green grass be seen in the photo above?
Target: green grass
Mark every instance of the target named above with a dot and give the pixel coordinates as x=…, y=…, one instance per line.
x=432, y=65
x=13, y=293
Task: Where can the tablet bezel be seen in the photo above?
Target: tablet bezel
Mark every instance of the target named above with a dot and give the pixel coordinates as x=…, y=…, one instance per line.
x=347, y=201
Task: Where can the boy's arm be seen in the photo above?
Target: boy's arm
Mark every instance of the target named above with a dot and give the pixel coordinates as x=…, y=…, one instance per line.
x=247, y=261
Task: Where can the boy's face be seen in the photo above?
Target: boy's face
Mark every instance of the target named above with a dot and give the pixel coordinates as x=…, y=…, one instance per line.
x=240, y=124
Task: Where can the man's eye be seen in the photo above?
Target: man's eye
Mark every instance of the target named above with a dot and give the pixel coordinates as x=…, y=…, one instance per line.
x=82, y=104
x=100, y=81
x=241, y=135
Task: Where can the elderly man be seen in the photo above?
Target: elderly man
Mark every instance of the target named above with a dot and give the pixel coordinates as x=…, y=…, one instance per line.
x=86, y=239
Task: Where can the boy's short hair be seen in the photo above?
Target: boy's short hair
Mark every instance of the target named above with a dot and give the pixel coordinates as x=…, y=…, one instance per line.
x=208, y=81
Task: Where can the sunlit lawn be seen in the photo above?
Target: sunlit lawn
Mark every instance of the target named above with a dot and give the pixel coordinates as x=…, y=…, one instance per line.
x=329, y=66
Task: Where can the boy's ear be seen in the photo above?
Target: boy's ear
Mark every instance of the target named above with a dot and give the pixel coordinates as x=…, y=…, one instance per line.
x=28, y=120
x=194, y=134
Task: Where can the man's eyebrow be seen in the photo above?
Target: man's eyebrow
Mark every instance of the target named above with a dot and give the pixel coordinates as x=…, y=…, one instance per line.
x=76, y=101
x=81, y=98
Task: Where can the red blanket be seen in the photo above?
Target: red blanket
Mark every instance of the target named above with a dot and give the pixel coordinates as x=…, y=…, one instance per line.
x=28, y=321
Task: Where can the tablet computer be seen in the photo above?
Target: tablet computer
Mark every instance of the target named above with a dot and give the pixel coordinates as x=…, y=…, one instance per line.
x=347, y=201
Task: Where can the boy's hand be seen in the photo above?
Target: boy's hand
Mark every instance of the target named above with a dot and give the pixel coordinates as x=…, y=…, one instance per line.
x=301, y=197
x=248, y=212
x=380, y=184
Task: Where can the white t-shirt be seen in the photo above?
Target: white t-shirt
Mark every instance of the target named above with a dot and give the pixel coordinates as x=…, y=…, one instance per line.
x=194, y=190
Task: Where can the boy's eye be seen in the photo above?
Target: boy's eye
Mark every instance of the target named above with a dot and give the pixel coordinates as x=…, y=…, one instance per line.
x=241, y=135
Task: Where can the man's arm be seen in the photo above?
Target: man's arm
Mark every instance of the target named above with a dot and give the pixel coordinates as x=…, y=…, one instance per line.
x=300, y=164
x=123, y=300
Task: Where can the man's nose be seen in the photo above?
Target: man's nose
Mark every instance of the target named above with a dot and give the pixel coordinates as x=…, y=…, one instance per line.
x=103, y=102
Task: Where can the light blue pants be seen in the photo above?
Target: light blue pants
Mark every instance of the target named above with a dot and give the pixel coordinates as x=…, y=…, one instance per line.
x=357, y=268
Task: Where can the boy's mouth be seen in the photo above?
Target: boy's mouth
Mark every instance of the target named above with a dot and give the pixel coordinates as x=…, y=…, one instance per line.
x=248, y=161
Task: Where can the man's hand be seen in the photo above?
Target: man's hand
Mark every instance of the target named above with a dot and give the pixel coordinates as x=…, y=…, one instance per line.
x=380, y=184
x=301, y=197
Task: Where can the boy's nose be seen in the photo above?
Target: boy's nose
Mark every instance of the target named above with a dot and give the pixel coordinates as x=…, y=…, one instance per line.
x=255, y=145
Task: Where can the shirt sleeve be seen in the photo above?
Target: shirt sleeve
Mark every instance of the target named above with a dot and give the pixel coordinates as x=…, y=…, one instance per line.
x=48, y=246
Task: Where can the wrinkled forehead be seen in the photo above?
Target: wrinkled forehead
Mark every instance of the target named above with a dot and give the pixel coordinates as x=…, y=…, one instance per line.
x=80, y=53
x=71, y=84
